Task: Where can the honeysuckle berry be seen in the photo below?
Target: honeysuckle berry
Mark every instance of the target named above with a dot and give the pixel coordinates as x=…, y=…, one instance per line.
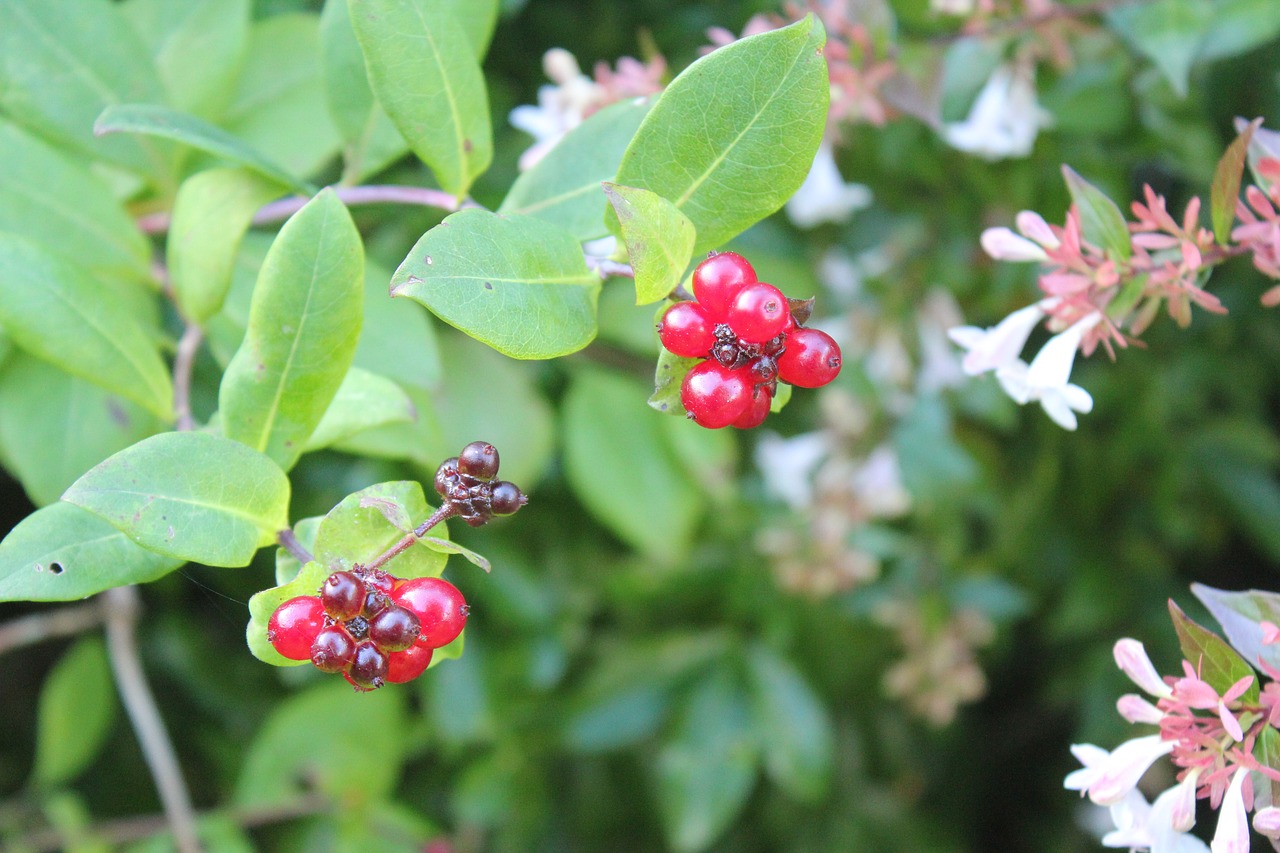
x=506, y=498
x=333, y=649
x=439, y=606
x=478, y=459
x=687, y=331
x=408, y=664
x=758, y=313
x=394, y=628
x=811, y=358
x=294, y=625
x=718, y=279
x=368, y=665
x=446, y=475
x=715, y=396
x=343, y=595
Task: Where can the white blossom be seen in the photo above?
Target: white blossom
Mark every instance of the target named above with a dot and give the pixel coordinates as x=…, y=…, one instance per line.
x=1004, y=119
x=825, y=196
x=1045, y=380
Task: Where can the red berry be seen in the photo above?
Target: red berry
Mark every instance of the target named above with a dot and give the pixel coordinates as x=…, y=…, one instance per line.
x=368, y=666
x=687, y=331
x=715, y=396
x=758, y=313
x=717, y=281
x=342, y=595
x=394, y=628
x=479, y=459
x=810, y=360
x=333, y=649
x=409, y=664
x=439, y=606
x=757, y=411
x=294, y=626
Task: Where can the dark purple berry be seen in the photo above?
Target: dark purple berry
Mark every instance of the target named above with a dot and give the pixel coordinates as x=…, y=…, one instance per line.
x=368, y=665
x=479, y=459
x=342, y=595
x=446, y=475
x=333, y=649
x=506, y=498
x=395, y=628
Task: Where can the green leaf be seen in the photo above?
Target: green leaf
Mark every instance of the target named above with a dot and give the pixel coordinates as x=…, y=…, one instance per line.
x=1267, y=752
x=304, y=322
x=1238, y=26
x=397, y=338
x=564, y=186
x=617, y=463
x=211, y=214
x=423, y=68
x=54, y=427
x=668, y=376
x=175, y=31
x=733, y=137
x=706, y=768
x=60, y=313
x=1225, y=192
x=62, y=553
x=287, y=565
x=278, y=107
x=513, y=282
x=792, y=726
x=1217, y=663
x=62, y=62
x=356, y=531
x=364, y=401
x=659, y=239
x=1168, y=32
x=446, y=547
x=1239, y=614
x=51, y=199
x=192, y=496
x=305, y=581
x=155, y=120
x=1101, y=221
x=77, y=709
x=478, y=19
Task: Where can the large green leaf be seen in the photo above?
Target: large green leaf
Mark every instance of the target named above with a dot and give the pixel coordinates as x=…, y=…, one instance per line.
x=477, y=18
x=62, y=553
x=733, y=137
x=46, y=196
x=364, y=401
x=564, y=186
x=156, y=120
x=1168, y=32
x=189, y=495
x=63, y=61
x=398, y=339
x=423, y=68
x=516, y=283
x=793, y=727
x=211, y=214
x=54, y=427
x=77, y=708
x=175, y=31
x=278, y=107
x=1212, y=658
x=304, y=322
x=659, y=239
x=56, y=311
x=357, y=530
x=1101, y=222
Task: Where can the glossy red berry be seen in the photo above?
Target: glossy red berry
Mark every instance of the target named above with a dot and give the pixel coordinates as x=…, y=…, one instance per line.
x=717, y=281
x=757, y=411
x=294, y=625
x=687, y=331
x=811, y=359
x=439, y=606
x=408, y=664
x=758, y=313
x=333, y=649
x=715, y=396
x=479, y=459
x=368, y=665
x=342, y=595
x=394, y=628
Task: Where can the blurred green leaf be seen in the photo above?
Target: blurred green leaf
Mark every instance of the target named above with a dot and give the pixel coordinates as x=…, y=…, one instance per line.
x=933, y=464
x=1168, y=32
x=659, y=239
x=189, y=495
x=1101, y=222
x=564, y=186
x=1216, y=662
x=77, y=709
x=793, y=728
x=303, y=326
x=364, y=401
x=60, y=313
x=513, y=282
x=734, y=135
x=423, y=68
x=397, y=339
x=1225, y=193
x=1239, y=614
x=1267, y=752
x=63, y=553
x=477, y=18
x=668, y=376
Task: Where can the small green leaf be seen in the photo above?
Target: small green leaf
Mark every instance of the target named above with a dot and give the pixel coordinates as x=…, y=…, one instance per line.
x=1101, y=221
x=781, y=398
x=1168, y=32
x=792, y=725
x=423, y=68
x=77, y=709
x=166, y=123
x=54, y=427
x=55, y=201
x=668, y=376
x=1216, y=662
x=733, y=137
x=58, y=312
x=1225, y=192
x=356, y=531
x=63, y=553
x=189, y=495
x=1267, y=752
x=659, y=239
x=1239, y=614
x=304, y=322
x=305, y=581
x=211, y=214
x=564, y=186
x=364, y=401
x=287, y=565
x=446, y=547
x=513, y=282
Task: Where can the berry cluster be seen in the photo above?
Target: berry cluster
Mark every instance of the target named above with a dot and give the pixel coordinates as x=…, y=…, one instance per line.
x=750, y=337
x=466, y=483
x=370, y=626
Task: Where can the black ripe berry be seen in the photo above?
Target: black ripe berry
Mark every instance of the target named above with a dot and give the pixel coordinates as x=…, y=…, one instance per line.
x=479, y=459
x=506, y=498
x=394, y=628
x=368, y=666
x=342, y=595
x=333, y=649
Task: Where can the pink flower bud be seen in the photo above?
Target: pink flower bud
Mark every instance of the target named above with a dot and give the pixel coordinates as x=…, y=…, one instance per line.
x=1131, y=657
x=1267, y=822
x=1003, y=245
x=1033, y=227
x=1135, y=709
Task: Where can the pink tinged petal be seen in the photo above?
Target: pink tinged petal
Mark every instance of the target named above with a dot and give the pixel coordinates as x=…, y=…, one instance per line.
x=1135, y=709
x=1033, y=227
x=1230, y=723
x=1001, y=344
x=1125, y=766
x=1232, y=835
x=1003, y=245
x=1195, y=693
x=1182, y=812
x=1131, y=657
x=1267, y=822
x=1155, y=241
x=1191, y=256
x=1236, y=690
x=1270, y=632
x=1165, y=837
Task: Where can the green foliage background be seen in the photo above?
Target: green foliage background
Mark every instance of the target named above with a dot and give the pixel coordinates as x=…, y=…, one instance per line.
x=634, y=677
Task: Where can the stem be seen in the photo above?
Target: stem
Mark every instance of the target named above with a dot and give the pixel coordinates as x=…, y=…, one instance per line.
x=404, y=544
x=290, y=543
x=63, y=622
x=122, y=608
x=183, y=363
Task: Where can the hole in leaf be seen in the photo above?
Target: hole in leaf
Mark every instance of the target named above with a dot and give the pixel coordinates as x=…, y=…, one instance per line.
x=56, y=568
x=488, y=285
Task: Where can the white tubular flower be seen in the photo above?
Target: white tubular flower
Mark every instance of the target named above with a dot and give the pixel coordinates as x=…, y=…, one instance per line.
x=824, y=196
x=1003, y=245
x=1140, y=826
x=999, y=346
x=787, y=465
x=1232, y=835
x=1131, y=657
x=560, y=108
x=1122, y=769
x=1093, y=758
x=1004, y=119
x=1182, y=816
x=1046, y=379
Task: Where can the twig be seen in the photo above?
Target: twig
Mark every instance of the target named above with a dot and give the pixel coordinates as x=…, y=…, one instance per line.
x=122, y=608
x=62, y=622
x=289, y=541
x=183, y=363
x=446, y=510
